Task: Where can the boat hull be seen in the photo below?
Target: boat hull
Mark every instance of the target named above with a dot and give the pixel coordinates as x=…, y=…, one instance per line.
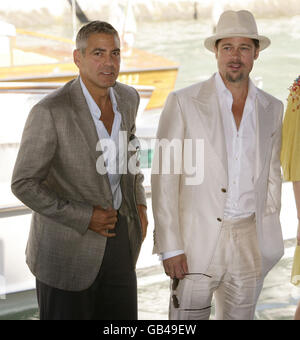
x=162, y=79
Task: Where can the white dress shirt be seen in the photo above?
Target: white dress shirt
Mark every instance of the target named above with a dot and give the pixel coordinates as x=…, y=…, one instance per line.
x=111, y=145
x=240, y=146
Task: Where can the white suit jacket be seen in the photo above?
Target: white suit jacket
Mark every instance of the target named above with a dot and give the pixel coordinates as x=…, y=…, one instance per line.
x=189, y=217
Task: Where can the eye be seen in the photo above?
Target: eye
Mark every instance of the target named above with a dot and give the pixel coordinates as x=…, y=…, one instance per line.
x=245, y=49
x=116, y=53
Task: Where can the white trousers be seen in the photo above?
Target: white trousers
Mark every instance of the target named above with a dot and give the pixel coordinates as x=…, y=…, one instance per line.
x=235, y=278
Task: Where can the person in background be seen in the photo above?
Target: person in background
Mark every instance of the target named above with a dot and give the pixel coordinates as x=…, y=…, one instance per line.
x=290, y=160
x=220, y=235
x=89, y=216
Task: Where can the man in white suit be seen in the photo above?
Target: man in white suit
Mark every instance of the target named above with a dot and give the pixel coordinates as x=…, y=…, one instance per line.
x=220, y=236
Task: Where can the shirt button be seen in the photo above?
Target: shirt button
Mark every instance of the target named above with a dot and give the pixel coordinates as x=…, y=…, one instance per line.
x=223, y=190
x=219, y=219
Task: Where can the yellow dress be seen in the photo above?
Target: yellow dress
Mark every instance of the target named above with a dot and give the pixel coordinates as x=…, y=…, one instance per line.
x=290, y=152
x=290, y=155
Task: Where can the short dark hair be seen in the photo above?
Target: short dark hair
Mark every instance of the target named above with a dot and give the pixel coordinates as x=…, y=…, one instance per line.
x=256, y=43
x=91, y=28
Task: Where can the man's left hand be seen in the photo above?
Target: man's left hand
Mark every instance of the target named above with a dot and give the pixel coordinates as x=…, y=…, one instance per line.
x=143, y=218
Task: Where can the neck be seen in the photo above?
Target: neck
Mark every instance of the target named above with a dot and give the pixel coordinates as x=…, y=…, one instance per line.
x=102, y=99
x=239, y=90
x=100, y=95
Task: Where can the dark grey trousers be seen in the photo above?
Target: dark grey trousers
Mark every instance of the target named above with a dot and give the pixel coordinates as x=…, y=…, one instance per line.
x=112, y=296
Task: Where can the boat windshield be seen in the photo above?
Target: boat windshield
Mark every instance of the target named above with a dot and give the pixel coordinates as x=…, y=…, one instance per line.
x=16, y=105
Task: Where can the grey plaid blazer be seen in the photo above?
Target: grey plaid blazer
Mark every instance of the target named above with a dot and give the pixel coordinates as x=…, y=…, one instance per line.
x=55, y=175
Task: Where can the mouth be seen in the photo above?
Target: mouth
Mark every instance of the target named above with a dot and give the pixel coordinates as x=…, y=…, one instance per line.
x=235, y=66
x=107, y=74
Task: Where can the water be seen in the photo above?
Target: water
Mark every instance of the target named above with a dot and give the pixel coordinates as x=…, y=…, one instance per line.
x=182, y=41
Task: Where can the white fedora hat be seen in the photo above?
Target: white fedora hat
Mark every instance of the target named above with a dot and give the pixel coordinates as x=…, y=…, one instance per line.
x=236, y=24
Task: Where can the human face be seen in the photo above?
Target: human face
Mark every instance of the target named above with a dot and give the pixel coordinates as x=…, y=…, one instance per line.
x=235, y=58
x=99, y=66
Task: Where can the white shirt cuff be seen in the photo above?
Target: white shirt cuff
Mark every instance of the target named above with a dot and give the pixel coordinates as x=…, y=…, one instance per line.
x=169, y=254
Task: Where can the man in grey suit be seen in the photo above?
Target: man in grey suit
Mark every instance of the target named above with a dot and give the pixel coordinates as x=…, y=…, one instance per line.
x=87, y=224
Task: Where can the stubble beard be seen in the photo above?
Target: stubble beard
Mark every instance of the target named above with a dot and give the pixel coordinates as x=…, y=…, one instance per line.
x=232, y=79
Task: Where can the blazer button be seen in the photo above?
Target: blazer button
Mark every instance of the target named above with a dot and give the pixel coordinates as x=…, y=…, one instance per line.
x=219, y=219
x=223, y=190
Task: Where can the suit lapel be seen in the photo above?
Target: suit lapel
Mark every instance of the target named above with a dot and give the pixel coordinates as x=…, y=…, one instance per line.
x=264, y=129
x=122, y=107
x=207, y=107
x=83, y=118
x=86, y=127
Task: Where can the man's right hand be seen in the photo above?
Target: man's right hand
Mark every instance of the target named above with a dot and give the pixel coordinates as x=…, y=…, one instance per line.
x=103, y=220
x=176, y=266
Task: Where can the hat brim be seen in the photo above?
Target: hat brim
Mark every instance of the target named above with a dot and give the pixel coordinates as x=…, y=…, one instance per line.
x=210, y=42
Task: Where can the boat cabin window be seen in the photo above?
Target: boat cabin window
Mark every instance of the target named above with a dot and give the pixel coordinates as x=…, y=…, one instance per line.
x=16, y=105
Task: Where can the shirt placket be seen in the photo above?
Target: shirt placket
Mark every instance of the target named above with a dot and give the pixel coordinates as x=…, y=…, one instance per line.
x=236, y=168
x=234, y=157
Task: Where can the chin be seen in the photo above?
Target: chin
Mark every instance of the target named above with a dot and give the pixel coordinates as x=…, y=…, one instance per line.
x=235, y=78
x=106, y=85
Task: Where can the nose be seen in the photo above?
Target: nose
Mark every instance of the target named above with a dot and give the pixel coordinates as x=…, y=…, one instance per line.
x=235, y=52
x=108, y=61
